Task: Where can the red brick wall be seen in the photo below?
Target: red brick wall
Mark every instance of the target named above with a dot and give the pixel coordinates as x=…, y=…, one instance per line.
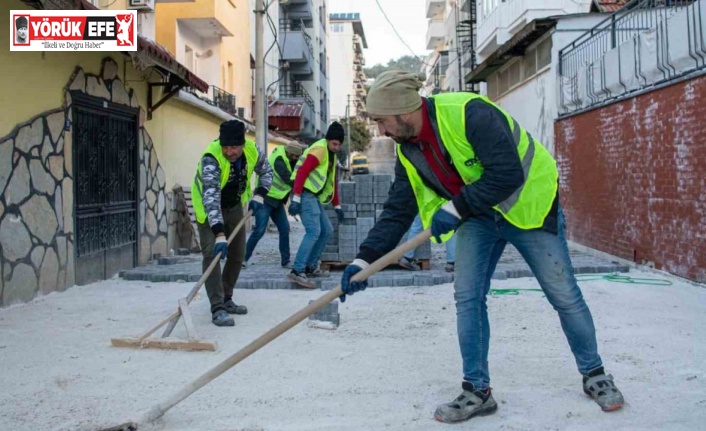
x=633, y=178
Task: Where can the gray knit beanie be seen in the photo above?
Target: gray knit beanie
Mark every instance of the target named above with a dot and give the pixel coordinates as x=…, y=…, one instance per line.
x=394, y=92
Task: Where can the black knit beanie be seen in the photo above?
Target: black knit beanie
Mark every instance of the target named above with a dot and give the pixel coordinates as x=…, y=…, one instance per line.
x=335, y=132
x=232, y=134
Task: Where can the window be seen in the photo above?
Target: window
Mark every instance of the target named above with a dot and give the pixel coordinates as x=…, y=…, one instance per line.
x=544, y=53
x=514, y=74
x=502, y=82
x=487, y=6
x=492, y=86
x=529, y=64
x=189, y=59
x=337, y=28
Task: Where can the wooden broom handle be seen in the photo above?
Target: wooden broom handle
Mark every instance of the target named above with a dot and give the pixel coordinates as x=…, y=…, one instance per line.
x=392, y=257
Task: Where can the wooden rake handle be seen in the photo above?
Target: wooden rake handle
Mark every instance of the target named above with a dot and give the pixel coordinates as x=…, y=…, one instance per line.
x=392, y=257
x=174, y=318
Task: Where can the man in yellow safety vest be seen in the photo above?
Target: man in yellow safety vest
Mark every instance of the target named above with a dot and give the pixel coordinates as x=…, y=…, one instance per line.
x=220, y=190
x=470, y=168
x=282, y=161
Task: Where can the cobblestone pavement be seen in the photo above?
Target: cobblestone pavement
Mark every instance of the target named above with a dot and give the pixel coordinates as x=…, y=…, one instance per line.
x=264, y=270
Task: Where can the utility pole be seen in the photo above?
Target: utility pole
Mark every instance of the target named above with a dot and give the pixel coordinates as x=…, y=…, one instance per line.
x=260, y=97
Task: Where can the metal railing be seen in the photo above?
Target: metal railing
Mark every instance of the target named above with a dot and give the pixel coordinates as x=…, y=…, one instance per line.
x=224, y=100
x=296, y=91
x=646, y=43
x=216, y=97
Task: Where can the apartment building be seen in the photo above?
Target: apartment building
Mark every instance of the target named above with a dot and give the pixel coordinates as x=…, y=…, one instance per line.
x=347, y=41
x=212, y=39
x=299, y=97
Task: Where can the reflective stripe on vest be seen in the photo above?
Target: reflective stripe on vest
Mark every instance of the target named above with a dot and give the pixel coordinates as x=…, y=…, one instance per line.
x=320, y=181
x=528, y=206
x=214, y=149
x=279, y=188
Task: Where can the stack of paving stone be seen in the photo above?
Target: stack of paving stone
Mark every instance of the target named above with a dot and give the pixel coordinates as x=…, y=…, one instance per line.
x=362, y=203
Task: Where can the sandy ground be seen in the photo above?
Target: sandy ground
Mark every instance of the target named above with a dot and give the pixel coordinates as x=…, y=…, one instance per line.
x=393, y=359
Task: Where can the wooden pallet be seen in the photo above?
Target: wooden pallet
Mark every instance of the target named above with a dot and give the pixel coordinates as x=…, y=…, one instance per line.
x=425, y=264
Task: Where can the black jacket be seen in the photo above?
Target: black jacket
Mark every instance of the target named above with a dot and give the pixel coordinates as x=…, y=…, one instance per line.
x=487, y=128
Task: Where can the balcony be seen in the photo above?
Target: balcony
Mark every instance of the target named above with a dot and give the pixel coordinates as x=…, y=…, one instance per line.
x=497, y=27
x=435, y=8
x=300, y=10
x=217, y=97
x=207, y=18
x=297, y=50
x=436, y=34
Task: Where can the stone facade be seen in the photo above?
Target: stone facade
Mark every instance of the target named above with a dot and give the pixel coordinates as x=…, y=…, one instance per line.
x=37, y=194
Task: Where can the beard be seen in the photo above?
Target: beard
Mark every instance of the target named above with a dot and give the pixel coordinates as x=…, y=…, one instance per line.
x=405, y=131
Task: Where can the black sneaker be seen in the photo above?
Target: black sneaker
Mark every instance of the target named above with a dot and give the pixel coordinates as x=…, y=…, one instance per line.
x=233, y=308
x=221, y=318
x=472, y=402
x=599, y=386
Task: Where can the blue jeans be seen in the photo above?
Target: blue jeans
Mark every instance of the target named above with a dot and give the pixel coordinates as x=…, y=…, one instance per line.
x=279, y=218
x=450, y=244
x=481, y=241
x=318, y=231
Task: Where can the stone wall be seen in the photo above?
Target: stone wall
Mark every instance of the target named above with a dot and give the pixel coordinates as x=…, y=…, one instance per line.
x=37, y=201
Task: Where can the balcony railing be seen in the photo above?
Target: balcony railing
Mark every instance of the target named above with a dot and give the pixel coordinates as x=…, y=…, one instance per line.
x=224, y=100
x=217, y=97
x=296, y=91
x=647, y=43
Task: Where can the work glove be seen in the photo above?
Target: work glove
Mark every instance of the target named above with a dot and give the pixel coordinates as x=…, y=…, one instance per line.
x=350, y=287
x=221, y=247
x=445, y=220
x=339, y=213
x=256, y=204
x=295, y=207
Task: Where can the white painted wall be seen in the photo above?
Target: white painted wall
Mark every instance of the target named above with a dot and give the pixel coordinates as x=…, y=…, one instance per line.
x=533, y=103
x=639, y=61
x=342, y=74
x=206, y=61
x=498, y=21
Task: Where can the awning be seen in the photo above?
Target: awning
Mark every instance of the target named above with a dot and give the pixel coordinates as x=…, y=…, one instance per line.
x=515, y=47
x=149, y=53
x=286, y=116
x=285, y=109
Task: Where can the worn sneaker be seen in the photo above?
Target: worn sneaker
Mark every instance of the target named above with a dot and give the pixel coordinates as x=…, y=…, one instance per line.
x=450, y=266
x=233, y=308
x=599, y=386
x=301, y=279
x=287, y=265
x=408, y=264
x=221, y=318
x=316, y=272
x=472, y=402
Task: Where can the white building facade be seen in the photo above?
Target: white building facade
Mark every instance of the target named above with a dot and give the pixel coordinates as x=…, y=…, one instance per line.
x=347, y=79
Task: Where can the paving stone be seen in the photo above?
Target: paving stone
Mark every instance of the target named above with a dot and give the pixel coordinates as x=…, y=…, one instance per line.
x=265, y=271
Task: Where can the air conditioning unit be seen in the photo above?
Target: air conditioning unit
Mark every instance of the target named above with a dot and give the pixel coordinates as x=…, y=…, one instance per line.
x=241, y=112
x=141, y=5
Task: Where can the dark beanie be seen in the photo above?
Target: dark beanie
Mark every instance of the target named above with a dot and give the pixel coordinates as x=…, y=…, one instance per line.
x=335, y=132
x=21, y=22
x=232, y=134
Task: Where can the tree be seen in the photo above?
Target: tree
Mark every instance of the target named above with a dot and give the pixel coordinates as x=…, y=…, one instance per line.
x=408, y=63
x=360, y=135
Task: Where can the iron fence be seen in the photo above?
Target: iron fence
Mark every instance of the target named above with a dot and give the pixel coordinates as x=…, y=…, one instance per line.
x=646, y=43
x=224, y=100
